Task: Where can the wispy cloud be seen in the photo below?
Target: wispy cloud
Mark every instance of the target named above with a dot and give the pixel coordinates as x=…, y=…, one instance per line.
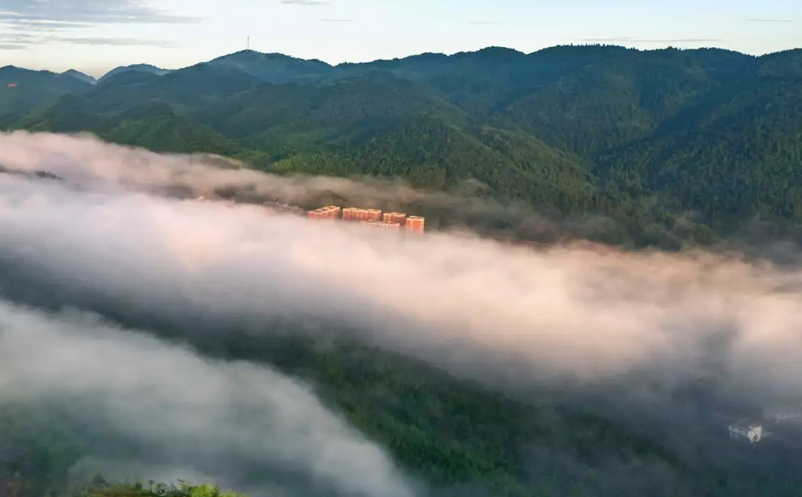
x=484, y=23
x=18, y=40
x=15, y=40
x=769, y=20
x=117, y=42
x=36, y=17
x=305, y=2
x=627, y=39
x=335, y=20
x=82, y=12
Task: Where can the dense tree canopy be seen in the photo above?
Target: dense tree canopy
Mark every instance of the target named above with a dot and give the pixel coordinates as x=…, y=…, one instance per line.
x=648, y=138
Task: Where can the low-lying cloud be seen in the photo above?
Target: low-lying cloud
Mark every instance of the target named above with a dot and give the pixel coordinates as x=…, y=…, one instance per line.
x=641, y=324
x=235, y=423
x=246, y=263
x=35, y=21
x=87, y=160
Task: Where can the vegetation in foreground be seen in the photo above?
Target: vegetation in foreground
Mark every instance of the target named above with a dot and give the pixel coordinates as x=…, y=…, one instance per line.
x=460, y=437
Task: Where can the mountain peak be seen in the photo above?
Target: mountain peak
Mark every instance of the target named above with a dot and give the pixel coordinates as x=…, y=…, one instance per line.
x=274, y=68
x=253, y=55
x=158, y=71
x=11, y=69
x=494, y=53
x=80, y=76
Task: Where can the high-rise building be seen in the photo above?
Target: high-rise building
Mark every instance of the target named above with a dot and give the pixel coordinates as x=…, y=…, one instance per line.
x=394, y=217
x=374, y=214
x=354, y=214
x=381, y=224
x=327, y=212
x=415, y=223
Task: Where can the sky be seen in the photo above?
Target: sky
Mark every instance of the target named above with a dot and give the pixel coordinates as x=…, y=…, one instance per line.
x=96, y=35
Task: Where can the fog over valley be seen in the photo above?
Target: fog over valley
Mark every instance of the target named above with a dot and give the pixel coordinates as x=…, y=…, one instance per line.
x=176, y=338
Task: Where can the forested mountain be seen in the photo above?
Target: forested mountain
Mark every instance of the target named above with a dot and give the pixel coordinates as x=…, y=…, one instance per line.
x=672, y=145
x=81, y=76
x=710, y=137
x=22, y=90
x=146, y=68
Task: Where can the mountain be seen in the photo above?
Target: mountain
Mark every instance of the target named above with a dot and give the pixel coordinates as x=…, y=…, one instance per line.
x=632, y=147
x=22, y=90
x=134, y=67
x=274, y=68
x=575, y=131
x=81, y=76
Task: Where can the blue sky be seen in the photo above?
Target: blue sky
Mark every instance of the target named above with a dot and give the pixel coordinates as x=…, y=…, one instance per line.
x=96, y=35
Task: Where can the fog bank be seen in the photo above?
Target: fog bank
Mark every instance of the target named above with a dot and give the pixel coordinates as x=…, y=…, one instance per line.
x=563, y=311
x=159, y=411
x=637, y=327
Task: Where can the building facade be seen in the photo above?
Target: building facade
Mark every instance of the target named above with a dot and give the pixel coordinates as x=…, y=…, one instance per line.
x=415, y=224
x=327, y=212
x=382, y=225
x=395, y=217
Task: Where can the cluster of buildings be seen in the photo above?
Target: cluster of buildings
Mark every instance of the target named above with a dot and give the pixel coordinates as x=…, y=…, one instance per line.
x=774, y=417
x=374, y=218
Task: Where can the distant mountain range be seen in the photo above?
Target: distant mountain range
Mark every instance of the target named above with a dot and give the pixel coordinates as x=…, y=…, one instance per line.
x=147, y=68
x=81, y=76
x=671, y=144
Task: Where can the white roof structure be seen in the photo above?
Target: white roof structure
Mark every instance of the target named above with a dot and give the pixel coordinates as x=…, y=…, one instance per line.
x=751, y=432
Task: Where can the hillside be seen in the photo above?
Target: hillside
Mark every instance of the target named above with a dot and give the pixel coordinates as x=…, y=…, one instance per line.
x=460, y=437
x=647, y=138
x=22, y=90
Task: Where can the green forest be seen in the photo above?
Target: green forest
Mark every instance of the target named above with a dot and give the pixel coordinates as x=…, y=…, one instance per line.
x=673, y=146
x=460, y=437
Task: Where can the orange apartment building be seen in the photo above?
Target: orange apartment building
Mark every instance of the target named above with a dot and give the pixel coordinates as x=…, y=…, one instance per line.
x=352, y=214
x=371, y=217
x=394, y=217
x=415, y=223
x=382, y=224
x=327, y=212
x=359, y=214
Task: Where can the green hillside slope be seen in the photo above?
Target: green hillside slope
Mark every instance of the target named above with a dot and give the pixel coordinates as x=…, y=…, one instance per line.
x=459, y=437
x=22, y=90
x=643, y=137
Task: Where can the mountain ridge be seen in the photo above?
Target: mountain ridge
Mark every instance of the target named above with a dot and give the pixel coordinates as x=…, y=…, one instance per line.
x=639, y=124
x=142, y=67
x=439, y=55
x=81, y=76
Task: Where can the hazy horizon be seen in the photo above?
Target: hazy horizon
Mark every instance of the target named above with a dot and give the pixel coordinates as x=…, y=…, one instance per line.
x=102, y=73
x=172, y=33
